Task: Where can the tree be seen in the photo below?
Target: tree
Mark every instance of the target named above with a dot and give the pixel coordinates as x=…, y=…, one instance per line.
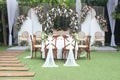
x=2, y=7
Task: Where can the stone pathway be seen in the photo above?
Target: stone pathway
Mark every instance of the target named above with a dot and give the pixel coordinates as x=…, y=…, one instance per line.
x=11, y=68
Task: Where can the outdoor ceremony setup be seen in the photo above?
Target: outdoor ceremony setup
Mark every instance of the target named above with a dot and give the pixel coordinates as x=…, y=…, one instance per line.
x=60, y=37
x=62, y=33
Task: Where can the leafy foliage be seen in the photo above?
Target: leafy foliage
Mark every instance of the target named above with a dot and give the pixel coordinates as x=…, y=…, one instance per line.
x=116, y=13
x=103, y=23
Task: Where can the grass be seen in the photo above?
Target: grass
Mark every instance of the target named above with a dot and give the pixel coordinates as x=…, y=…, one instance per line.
x=3, y=48
x=102, y=66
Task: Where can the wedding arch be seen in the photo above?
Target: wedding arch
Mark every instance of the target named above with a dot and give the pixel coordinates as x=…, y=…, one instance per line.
x=58, y=18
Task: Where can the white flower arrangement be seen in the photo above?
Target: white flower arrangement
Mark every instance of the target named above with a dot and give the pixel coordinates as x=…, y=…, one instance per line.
x=84, y=11
x=102, y=22
x=69, y=16
x=20, y=21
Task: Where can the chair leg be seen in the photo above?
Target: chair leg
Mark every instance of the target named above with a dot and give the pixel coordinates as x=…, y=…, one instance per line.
x=103, y=43
x=46, y=52
x=64, y=54
x=32, y=55
x=74, y=53
x=35, y=53
x=88, y=54
x=41, y=53
x=55, y=53
x=79, y=53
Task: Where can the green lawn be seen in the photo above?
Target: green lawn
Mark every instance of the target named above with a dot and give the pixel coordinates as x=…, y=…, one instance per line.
x=102, y=66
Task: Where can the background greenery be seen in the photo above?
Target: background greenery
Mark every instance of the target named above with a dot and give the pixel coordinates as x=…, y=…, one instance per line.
x=23, y=4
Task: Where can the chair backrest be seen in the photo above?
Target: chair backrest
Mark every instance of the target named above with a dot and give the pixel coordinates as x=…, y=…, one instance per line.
x=68, y=41
x=25, y=34
x=81, y=34
x=38, y=34
x=98, y=35
x=33, y=39
x=86, y=41
x=51, y=41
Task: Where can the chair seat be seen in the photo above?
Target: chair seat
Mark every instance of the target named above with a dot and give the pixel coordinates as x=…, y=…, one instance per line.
x=23, y=39
x=69, y=47
x=38, y=39
x=50, y=46
x=99, y=39
x=82, y=46
x=37, y=46
x=82, y=39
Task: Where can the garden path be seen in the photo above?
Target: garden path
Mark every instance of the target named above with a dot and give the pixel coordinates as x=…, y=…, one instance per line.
x=11, y=68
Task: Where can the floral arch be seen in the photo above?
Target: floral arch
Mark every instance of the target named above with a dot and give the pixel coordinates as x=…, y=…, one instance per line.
x=58, y=18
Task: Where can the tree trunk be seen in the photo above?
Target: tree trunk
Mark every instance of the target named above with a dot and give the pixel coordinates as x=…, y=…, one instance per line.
x=4, y=27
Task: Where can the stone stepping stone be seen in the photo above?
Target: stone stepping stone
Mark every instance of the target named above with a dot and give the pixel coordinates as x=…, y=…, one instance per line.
x=10, y=62
x=7, y=56
x=16, y=79
x=8, y=59
x=13, y=69
x=13, y=51
x=12, y=65
x=17, y=74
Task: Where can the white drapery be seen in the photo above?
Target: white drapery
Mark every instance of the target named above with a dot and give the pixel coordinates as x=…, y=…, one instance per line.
x=78, y=7
x=49, y=62
x=90, y=25
x=70, y=58
x=11, y=8
x=111, y=8
x=36, y=26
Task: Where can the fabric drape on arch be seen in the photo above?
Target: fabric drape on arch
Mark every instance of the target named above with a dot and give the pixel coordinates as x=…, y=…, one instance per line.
x=78, y=7
x=111, y=8
x=12, y=6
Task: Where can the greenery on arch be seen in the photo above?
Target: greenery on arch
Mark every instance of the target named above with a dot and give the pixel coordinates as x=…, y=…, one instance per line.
x=116, y=13
x=59, y=18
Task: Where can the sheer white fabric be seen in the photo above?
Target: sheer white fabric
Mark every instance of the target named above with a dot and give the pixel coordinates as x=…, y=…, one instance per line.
x=59, y=45
x=111, y=8
x=36, y=26
x=11, y=8
x=49, y=62
x=70, y=59
x=78, y=7
x=90, y=25
x=26, y=26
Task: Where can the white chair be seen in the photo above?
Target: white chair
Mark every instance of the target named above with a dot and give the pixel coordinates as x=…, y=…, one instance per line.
x=23, y=37
x=99, y=37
